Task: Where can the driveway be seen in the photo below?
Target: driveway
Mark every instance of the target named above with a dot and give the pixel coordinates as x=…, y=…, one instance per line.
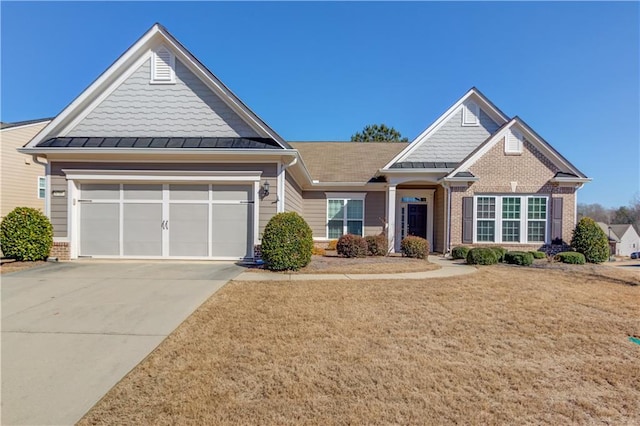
x=71, y=331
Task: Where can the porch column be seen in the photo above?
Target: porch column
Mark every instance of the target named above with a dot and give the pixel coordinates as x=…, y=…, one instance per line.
x=391, y=215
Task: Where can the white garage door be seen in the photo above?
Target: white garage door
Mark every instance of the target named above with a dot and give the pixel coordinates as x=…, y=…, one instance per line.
x=166, y=220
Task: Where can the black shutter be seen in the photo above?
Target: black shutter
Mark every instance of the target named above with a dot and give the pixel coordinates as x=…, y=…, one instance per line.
x=467, y=220
x=556, y=218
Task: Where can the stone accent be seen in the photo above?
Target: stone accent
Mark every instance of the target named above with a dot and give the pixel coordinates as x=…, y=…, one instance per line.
x=60, y=250
x=496, y=170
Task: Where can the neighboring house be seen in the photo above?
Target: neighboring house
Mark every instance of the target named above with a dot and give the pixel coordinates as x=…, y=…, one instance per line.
x=623, y=239
x=157, y=158
x=23, y=179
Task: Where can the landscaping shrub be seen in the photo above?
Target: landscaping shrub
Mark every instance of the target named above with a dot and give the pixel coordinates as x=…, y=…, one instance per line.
x=415, y=247
x=590, y=240
x=376, y=245
x=571, y=257
x=538, y=254
x=350, y=245
x=482, y=256
x=459, y=252
x=332, y=245
x=26, y=234
x=287, y=242
x=500, y=252
x=522, y=258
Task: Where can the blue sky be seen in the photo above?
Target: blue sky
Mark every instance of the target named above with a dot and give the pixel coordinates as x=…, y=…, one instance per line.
x=322, y=71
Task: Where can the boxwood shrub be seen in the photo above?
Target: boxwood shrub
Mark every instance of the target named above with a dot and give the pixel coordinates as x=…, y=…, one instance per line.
x=571, y=257
x=590, y=240
x=350, y=245
x=522, y=258
x=459, y=252
x=415, y=247
x=26, y=234
x=287, y=242
x=376, y=245
x=500, y=252
x=482, y=256
x=538, y=254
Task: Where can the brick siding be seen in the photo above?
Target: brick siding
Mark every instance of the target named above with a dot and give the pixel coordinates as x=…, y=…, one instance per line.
x=496, y=170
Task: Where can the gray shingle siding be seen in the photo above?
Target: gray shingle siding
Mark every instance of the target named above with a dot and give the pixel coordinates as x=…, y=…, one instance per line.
x=453, y=142
x=184, y=109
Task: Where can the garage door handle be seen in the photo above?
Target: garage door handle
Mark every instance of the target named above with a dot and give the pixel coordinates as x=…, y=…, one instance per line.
x=162, y=224
x=166, y=225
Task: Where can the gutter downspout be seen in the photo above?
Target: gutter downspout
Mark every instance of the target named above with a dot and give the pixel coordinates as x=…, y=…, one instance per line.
x=447, y=219
x=280, y=196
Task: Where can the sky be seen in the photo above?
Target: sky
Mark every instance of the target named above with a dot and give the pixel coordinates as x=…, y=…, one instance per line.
x=324, y=70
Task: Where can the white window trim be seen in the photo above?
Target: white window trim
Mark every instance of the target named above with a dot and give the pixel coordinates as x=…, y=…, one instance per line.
x=470, y=114
x=172, y=66
x=524, y=219
x=344, y=196
x=44, y=180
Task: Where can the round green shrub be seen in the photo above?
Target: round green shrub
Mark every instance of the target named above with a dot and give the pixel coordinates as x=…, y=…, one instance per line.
x=287, y=242
x=376, y=245
x=500, y=252
x=590, y=240
x=482, y=256
x=414, y=247
x=518, y=258
x=572, y=257
x=459, y=252
x=26, y=234
x=538, y=254
x=350, y=245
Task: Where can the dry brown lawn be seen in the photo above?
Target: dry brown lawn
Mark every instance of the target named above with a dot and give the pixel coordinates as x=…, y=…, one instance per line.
x=506, y=345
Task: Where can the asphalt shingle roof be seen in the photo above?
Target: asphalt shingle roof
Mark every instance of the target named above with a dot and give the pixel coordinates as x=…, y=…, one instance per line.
x=346, y=161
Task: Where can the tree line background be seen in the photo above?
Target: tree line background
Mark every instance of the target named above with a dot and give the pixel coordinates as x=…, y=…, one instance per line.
x=614, y=215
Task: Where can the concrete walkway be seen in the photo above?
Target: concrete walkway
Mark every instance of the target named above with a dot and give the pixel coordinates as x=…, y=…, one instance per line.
x=71, y=331
x=448, y=268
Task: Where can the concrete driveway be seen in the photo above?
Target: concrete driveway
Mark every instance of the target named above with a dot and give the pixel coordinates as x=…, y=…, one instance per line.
x=71, y=331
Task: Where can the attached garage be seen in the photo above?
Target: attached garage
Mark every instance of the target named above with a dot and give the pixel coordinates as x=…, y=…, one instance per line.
x=165, y=220
x=161, y=216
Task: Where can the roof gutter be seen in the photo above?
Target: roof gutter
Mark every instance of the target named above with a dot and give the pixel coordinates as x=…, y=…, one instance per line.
x=408, y=171
x=160, y=151
x=570, y=180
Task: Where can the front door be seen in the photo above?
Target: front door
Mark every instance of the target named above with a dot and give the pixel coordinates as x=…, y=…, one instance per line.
x=417, y=220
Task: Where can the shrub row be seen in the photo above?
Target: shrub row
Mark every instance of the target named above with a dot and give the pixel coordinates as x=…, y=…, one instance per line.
x=350, y=245
x=415, y=247
x=377, y=245
x=570, y=257
x=522, y=258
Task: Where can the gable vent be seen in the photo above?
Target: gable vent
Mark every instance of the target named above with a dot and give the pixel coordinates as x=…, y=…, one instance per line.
x=471, y=114
x=513, y=142
x=163, y=66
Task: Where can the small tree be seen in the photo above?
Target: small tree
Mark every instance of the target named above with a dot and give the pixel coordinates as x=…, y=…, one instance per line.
x=590, y=240
x=26, y=234
x=378, y=133
x=287, y=242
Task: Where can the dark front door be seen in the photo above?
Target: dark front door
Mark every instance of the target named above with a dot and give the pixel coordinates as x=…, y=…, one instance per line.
x=417, y=220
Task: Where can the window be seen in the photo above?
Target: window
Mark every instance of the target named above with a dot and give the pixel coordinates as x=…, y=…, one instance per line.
x=345, y=216
x=503, y=219
x=42, y=187
x=537, y=219
x=471, y=114
x=486, y=213
x=511, y=219
x=163, y=66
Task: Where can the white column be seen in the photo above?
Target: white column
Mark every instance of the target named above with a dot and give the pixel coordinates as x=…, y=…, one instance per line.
x=391, y=215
